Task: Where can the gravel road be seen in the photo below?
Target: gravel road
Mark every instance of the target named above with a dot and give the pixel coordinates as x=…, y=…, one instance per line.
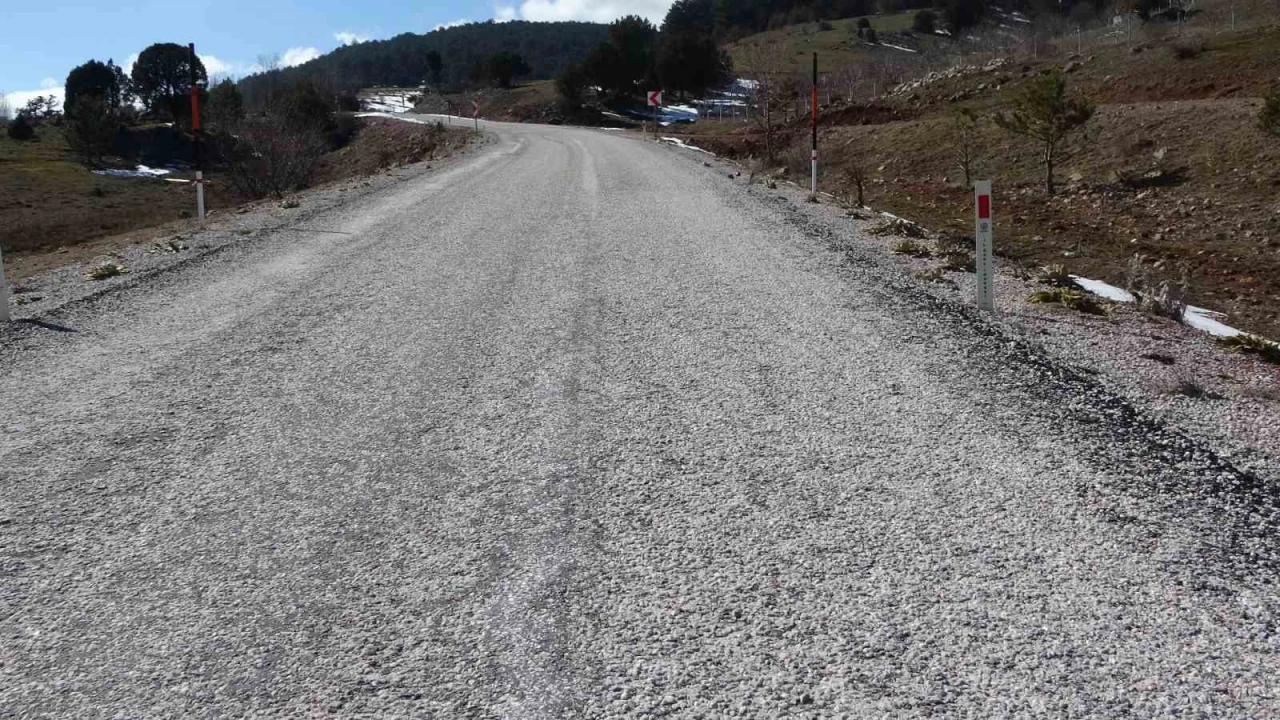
x=582, y=428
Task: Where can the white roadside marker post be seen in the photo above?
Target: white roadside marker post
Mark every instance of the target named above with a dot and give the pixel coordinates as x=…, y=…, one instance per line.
x=4, y=292
x=982, y=239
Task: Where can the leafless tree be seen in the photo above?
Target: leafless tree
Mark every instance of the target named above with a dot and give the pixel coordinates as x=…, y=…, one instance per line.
x=6, y=110
x=966, y=125
x=766, y=69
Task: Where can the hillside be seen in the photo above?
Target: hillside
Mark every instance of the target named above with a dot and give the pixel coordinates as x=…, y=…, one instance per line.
x=402, y=60
x=1172, y=166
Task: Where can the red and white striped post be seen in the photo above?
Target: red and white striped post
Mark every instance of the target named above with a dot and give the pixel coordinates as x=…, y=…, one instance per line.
x=195, y=133
x=982, y=238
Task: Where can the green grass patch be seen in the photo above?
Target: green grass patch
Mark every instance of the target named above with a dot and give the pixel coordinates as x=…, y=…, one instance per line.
x=912, y=248
x=108, y=269
x=1078, y=301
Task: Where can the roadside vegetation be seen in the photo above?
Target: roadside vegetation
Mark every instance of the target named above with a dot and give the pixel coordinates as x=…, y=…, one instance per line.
x=1107, y=135
x=104, y=161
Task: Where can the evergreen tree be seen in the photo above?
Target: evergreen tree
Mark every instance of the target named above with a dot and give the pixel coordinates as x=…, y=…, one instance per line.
x=1045, y=113
x=162, y=80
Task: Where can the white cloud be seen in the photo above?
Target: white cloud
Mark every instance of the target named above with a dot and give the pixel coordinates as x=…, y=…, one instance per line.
x=349, y=38
x=128, y=64
x=18, y=100
x=589, y=10
x=299, y=55
x=451, y=23
x=48, y=84
x=214, y=66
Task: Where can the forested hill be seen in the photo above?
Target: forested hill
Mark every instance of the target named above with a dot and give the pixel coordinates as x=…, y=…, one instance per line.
x=402, y=60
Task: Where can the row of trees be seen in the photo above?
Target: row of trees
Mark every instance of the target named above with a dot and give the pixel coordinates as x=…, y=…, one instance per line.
x=682, y=58
x=453, y=58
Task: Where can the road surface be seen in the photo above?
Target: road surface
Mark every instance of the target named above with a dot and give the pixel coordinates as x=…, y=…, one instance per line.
x=581, y=428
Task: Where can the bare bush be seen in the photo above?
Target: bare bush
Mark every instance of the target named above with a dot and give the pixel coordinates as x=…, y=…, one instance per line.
x=269, y=158
x=1157, y=297
x=771, y=88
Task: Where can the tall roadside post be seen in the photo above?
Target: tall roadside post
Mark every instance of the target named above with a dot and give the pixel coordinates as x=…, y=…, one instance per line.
x=813, y=122
x=982, y=239
x=195, y=132
x=475, y=112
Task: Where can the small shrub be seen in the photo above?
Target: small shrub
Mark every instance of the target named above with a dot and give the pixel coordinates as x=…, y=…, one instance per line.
x=1055, y=275
x=345, y=128
x=1073, y=299
x=954, y=242
x=1183, y=51
x=958, y=261
x=934, y=275
x=912, y=248
x=97, y=192
x=812, y=199
x=899, y=227
x=1162, y=299
x=824, y=26
x=21, y=129
x=1252, y=345
x=168, y=247
x=108, y=269
x=925, y=22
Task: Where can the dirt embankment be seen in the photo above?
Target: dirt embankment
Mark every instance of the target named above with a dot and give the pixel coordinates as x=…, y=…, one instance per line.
x=1172, y=166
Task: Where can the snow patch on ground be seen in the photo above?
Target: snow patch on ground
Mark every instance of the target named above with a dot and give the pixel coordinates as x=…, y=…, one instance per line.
x=1196, y=317
x=393, y=116
x=1203, y=320
x=1101, y=289
x=680, y=143
x=390, y=101
x=899, y=47
x=142, y=171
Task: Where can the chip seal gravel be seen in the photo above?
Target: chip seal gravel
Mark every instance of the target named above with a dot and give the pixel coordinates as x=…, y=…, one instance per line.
x=584, y=429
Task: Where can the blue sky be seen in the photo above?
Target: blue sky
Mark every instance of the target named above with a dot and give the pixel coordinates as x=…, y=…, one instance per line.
x=44, y=39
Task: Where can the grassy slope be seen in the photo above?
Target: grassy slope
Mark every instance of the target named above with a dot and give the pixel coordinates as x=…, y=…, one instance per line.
x=48, y=199
x=1222, y=220
x=51, y=212
x=837, y=48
